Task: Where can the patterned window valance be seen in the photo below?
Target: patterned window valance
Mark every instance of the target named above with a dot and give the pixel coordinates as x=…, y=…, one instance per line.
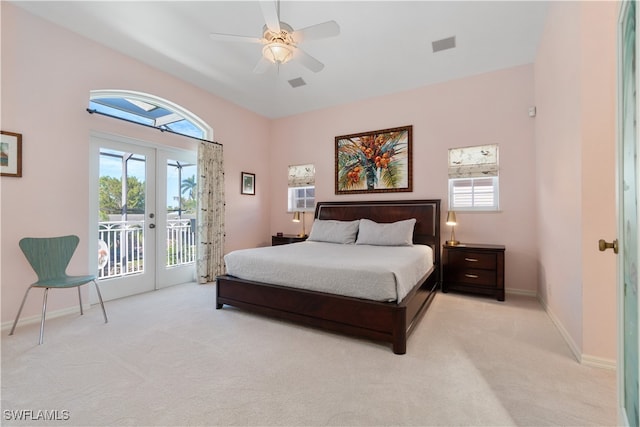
x=472, y=162
x=302, y=175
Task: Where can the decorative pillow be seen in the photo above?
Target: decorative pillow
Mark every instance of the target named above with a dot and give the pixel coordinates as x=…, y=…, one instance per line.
x=333, y=231
x=398, y=233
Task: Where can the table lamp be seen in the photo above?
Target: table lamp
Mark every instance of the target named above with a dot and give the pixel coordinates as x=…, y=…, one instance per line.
x=451, y=220
x=296, y=218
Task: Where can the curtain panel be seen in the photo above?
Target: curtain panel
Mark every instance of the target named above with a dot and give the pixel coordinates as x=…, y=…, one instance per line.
x=210, y=225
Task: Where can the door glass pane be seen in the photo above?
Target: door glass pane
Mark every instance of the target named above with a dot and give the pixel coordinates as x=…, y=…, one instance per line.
x=630, y=218
x=121, y=213
x=181, y=213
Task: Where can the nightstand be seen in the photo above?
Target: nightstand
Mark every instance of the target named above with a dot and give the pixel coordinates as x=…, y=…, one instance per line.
x=474, y=268
x=286, y=239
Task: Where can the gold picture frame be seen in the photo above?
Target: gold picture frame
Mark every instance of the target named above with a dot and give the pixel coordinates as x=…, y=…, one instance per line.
x=374, y=162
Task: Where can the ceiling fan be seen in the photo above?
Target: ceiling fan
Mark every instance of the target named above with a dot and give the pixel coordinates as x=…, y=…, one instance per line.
x=281, y=42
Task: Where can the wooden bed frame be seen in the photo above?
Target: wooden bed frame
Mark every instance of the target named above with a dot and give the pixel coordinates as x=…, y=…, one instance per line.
x=383, y=321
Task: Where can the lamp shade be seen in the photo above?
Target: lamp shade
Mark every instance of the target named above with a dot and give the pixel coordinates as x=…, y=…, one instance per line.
x=296, y=217
x=277, y=52
x=451, y=218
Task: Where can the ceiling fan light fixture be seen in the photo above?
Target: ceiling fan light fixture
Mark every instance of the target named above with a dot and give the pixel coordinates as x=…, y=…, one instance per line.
x=277, y=52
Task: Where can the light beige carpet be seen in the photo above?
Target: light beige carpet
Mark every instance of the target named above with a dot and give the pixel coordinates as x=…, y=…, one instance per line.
x=169, y=358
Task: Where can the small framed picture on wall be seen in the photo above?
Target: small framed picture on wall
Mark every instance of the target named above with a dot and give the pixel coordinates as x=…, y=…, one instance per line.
x=248, y=182
x=10, y=154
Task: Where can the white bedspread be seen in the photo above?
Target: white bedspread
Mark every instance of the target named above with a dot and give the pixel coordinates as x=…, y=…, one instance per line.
x=379, y=273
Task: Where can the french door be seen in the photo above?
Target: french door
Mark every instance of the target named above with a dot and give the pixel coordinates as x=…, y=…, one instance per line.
x=143, y=207
x=627, y=196
x=176, y=250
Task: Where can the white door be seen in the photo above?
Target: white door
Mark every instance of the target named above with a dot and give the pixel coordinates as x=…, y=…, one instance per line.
x=123, y=199
x=141, y=216
x=176, y=251
x=627, y=147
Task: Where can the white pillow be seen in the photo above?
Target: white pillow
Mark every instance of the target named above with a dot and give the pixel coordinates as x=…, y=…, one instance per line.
x=398, y=233
x=333, y=231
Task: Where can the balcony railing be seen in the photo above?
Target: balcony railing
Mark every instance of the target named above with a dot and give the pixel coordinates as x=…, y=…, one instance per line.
x=124, y=241
x=181, y=242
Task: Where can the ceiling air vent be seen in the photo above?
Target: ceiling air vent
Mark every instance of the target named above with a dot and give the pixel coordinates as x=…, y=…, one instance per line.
x=297, y=82
x=443, y=44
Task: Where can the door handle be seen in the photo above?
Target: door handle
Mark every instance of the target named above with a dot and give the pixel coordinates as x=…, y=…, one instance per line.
x=152, y=226
x=603, y=246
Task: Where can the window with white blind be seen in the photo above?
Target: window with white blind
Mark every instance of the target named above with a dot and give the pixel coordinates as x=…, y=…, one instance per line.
x=473, y=178
x=302, y=191
x=473, y=193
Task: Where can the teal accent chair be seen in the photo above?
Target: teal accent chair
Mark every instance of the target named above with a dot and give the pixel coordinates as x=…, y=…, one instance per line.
x=49, y=258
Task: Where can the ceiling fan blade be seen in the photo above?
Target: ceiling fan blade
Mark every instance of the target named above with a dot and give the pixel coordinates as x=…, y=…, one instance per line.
x=262, y=65
x=307, y=60
x=318, y=31
x=235, y=38
x=271, y=16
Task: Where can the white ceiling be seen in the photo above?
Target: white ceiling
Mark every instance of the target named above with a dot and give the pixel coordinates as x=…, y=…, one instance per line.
x=384, y=46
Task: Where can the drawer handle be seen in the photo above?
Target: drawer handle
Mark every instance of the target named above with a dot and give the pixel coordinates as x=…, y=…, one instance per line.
x=471, y=276
x=471, y=259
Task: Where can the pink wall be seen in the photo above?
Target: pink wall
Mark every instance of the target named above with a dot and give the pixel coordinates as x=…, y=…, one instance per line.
x=558, y=156
x=45, y=91
x=599, y=23
x=575, y=139
x=485, y=109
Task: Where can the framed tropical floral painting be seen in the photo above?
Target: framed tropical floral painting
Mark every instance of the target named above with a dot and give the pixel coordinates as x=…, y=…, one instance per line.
x=375, y=162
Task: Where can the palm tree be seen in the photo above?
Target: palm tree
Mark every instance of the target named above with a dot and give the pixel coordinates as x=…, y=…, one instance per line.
x=188, y=185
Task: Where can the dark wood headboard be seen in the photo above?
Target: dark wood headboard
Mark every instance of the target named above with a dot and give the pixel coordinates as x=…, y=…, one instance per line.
x=426, y=213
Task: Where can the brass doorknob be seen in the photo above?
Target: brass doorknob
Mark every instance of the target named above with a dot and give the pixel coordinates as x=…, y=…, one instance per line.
x=603, y=246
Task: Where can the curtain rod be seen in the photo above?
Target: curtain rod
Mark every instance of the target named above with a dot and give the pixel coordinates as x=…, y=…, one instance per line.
x=93, y=111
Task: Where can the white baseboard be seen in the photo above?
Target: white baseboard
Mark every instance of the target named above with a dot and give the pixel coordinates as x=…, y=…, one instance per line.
x=596, y=362
x=599, y=362
x=50, y=315
x=524, y=292
x=565, y=334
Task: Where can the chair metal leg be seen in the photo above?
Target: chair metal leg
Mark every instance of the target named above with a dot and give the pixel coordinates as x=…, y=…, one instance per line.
x=80, y=299
x=44, y=309
x=20, y=310
x=44, y=313
x=101, y=303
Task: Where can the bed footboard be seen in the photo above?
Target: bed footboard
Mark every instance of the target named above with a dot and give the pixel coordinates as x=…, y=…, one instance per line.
x=386, y=322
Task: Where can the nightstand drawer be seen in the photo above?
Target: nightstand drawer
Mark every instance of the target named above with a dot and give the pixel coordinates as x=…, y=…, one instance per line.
x=471, y=276
x=475, y=260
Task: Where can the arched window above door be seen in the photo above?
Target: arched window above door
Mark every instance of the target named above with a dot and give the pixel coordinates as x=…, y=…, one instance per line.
x=149, y=110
